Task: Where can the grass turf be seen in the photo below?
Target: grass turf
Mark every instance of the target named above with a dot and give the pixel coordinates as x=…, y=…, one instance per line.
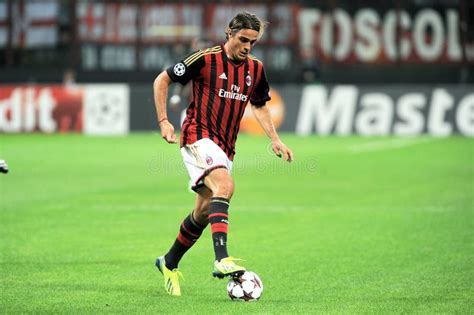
x=354, y=225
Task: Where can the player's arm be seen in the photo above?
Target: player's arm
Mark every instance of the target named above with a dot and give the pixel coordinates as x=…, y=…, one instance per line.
x=182, y=72
x=263, y=116
x=258, y=99
x=160, y=92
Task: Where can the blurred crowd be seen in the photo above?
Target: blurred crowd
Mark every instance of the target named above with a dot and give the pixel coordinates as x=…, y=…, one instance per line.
x=307, y=41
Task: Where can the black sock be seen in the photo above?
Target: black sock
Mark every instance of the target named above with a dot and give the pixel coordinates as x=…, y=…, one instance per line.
x=189, y=232
x=219, y=220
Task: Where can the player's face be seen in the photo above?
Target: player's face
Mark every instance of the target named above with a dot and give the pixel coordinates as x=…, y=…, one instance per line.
x=240, y=44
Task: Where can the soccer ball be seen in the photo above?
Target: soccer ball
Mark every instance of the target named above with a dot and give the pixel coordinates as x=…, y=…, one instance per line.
x=248, y=287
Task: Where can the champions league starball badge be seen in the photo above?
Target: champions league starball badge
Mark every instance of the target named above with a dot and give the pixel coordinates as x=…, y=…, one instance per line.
x=179, y=69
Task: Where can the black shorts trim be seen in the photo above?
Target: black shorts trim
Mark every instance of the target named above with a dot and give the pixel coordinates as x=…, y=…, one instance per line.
x=198, y=184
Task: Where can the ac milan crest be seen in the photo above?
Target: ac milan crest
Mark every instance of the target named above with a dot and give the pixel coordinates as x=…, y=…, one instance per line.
x=248, y=80
x=209, y=160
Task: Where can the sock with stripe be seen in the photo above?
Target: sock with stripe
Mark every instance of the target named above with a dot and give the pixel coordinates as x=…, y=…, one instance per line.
x=219, y=220
x=189, y=232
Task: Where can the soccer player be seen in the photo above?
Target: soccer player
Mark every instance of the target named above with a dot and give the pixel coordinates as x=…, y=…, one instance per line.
x=225, y=78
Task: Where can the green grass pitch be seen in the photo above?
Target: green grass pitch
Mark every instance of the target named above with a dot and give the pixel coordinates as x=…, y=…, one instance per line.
x=354, y=225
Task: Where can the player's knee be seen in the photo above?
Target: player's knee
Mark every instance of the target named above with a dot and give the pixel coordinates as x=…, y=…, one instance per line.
x=225, y=188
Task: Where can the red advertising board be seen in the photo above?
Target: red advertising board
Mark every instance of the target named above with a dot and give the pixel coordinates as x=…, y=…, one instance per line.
x=91, y=109
x=40, y=108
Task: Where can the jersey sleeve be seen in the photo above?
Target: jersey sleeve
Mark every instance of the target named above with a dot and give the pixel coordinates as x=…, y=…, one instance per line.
x=261, y=93
x=188, y=68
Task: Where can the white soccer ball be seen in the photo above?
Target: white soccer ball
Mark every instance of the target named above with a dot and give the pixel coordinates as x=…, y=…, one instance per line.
x=248, y=287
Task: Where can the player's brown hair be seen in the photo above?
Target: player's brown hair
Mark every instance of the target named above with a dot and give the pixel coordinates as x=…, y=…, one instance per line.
x=245, y=20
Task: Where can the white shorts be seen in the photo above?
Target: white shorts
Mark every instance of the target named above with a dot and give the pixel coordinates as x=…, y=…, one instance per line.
x=201, y=158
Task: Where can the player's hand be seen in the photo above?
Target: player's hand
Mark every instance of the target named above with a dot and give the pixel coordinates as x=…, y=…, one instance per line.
x=282, y=151
x=167, y=131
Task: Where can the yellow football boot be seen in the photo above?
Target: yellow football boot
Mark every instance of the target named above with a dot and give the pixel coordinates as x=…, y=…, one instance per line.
x=227, y=267
x=171, y=277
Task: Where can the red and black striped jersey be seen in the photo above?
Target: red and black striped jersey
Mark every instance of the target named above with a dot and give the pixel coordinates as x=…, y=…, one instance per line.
x=221, y=90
